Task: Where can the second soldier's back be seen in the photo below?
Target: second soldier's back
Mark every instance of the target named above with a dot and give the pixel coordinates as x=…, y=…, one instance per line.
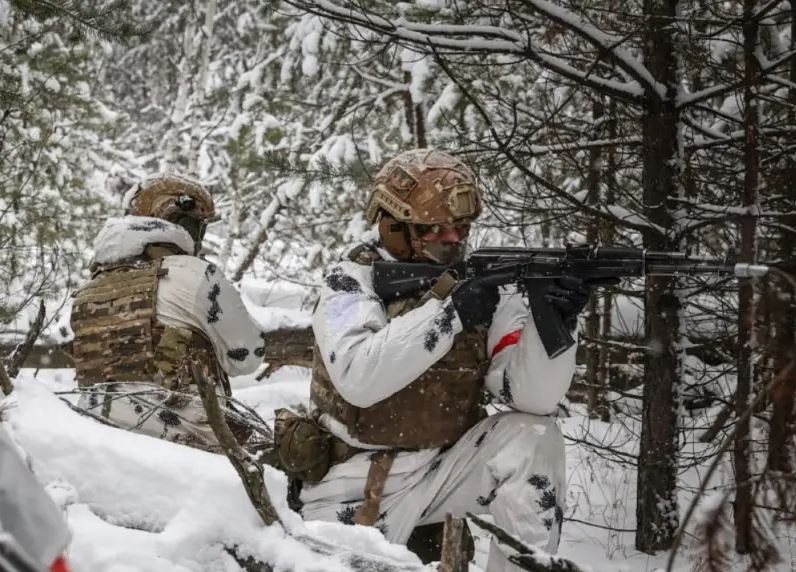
x=151, y=309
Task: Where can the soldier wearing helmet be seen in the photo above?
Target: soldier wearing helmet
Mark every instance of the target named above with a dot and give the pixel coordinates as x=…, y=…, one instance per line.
x=153, y=307
x=400, y=434
x=424, y=202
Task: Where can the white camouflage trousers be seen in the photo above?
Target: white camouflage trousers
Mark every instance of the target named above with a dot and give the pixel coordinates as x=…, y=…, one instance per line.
x=149, y=410
x=509, y=465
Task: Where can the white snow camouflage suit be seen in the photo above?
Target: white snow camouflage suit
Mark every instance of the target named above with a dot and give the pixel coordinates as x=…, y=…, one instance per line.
x=510, y=465
x=192, y=295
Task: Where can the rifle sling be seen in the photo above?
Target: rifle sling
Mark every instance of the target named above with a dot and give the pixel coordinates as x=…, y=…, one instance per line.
x=381, y=463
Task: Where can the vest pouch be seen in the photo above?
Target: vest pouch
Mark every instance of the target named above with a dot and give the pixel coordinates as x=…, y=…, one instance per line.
x=302, y=446
x=172, y=348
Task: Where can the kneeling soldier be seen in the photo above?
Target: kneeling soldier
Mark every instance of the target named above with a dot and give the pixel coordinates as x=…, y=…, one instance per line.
x=397, y=385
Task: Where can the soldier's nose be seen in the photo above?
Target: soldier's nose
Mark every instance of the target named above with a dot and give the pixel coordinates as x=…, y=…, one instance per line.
x=449, y=234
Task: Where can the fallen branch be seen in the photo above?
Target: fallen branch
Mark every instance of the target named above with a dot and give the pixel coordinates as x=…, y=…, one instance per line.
x=249, y=470
x=528, y=557
x=22, y=351
x=718, y=424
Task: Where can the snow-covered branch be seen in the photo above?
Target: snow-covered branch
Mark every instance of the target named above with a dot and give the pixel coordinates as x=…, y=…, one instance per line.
x=470, y=39
x=606, y=43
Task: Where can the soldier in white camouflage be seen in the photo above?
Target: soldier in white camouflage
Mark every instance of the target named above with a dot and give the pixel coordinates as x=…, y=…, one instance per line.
x=153, y=307
x=401, y=436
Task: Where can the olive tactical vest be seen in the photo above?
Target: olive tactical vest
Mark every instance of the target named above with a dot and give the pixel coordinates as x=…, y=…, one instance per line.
x=433, y=411
x=118, y=336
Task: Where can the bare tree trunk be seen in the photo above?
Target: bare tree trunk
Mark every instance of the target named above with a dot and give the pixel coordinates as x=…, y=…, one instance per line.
x=457, y=546
x=592, y=326
x=17, y=358
x=656, y=505
x=784, y=299
x=607, y=234
x=746, y=311
x=201, y=85
x=414, y=115
x=171, y=143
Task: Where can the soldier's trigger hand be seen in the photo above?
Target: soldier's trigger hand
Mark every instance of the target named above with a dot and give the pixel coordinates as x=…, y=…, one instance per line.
x=568, y=295
x=475, y=301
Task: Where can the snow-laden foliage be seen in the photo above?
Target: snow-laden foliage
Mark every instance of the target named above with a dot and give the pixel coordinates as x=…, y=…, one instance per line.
x=52, y=128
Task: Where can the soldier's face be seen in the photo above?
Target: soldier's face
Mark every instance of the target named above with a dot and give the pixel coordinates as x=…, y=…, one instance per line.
x=443, y=243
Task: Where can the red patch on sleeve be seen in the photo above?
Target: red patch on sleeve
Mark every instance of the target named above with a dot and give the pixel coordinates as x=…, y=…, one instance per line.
x=59, y=565
x=506, y=341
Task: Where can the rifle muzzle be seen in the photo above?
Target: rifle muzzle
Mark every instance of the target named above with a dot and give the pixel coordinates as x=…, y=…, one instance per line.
x=746, y=270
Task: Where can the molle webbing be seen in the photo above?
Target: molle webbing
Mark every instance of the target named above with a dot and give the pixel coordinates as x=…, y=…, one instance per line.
x=112, y=318
x=118, y=336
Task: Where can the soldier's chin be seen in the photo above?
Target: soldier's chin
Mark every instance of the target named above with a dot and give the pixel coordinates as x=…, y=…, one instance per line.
x=444, y=253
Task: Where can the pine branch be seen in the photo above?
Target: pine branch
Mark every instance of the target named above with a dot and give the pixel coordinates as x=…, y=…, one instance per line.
x=110, y=23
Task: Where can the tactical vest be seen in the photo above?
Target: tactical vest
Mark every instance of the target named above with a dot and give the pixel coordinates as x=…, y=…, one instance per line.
x=118, y=336
x=433, y=411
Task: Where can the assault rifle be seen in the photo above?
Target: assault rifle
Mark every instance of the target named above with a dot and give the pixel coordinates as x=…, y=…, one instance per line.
x=534, y=269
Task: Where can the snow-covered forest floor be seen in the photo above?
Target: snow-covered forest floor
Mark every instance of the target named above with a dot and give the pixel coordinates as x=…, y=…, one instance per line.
x=139, y=504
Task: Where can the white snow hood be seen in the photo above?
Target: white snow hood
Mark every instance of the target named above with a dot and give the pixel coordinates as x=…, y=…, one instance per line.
x=127, y=237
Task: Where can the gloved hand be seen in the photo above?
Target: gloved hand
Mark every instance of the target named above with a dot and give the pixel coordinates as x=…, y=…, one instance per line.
x=475, y=301
x=569, y=295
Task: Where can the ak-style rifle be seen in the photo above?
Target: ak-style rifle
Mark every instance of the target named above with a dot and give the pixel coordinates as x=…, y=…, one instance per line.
x=534, y=269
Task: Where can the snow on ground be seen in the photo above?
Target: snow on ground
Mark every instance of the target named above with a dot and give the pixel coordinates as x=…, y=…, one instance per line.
x=135, y=503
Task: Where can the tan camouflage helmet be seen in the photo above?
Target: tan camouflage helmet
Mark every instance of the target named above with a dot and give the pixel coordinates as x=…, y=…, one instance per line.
x=170, y=197
x=425, y=186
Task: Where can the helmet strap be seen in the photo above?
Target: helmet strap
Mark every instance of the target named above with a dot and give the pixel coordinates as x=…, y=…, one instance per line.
x=416, y=243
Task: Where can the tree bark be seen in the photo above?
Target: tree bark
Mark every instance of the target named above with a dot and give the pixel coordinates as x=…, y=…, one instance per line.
x=656, y=505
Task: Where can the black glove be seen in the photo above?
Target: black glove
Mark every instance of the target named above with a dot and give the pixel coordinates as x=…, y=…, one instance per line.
x=568, y=295
x=475, y=302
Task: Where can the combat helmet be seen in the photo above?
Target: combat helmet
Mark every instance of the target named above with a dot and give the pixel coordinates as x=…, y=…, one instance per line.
x=175, y=199
x=419, y=188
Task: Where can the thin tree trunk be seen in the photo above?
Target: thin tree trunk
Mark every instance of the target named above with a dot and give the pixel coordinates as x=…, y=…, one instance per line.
x=784, y=299
x=743, y=495
x=656, y=505
x=607, y=234
x=592, y=326
x=201, y=86
x=171, y=143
